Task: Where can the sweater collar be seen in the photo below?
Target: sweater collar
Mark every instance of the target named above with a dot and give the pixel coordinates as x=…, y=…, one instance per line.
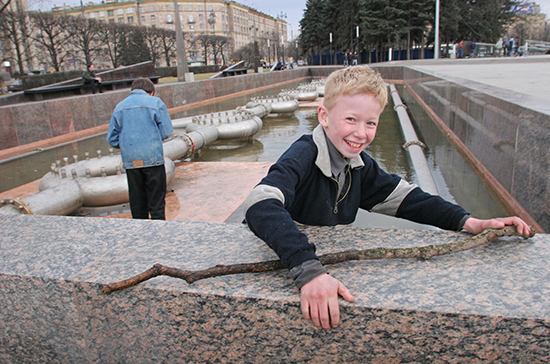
x=323, y=155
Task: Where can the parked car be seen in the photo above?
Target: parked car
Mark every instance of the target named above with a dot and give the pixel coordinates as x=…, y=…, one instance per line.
x=16, y=85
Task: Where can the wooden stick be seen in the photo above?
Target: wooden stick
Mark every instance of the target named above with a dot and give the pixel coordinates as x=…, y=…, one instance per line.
x=425, y=252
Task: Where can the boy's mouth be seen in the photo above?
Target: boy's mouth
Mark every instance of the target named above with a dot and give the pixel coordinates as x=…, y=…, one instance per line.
x=354, y=145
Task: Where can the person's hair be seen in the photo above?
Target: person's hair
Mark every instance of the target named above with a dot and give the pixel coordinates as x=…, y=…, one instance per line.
x=90, y=65
x=355, y=80
x=144, y=84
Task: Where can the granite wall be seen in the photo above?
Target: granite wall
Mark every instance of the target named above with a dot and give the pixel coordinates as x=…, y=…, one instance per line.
x=507, y=132
x=490, y=304
x=29, y=122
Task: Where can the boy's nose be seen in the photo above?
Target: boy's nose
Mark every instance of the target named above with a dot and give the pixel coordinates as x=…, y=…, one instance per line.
x=361, y=130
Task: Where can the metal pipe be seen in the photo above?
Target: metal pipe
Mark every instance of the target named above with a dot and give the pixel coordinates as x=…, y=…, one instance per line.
x=413, y=145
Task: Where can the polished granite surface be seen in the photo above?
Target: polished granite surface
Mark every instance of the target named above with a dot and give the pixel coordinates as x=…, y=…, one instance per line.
x=491, y=303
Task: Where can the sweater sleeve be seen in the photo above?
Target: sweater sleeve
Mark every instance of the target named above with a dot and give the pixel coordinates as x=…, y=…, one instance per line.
x=424, y=208
x=267, y=207
x=269, y=220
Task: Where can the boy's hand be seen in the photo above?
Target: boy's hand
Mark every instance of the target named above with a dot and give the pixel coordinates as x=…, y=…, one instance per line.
x=319, y=301
x=476, y=226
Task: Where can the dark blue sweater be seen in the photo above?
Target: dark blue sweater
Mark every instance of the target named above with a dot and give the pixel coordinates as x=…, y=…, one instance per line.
x=297, y=189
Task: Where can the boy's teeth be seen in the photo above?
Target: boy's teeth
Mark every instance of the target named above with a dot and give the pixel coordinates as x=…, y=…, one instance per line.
x=354, y=145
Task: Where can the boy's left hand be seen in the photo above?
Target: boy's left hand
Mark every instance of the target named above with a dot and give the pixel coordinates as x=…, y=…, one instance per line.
x=476, y=226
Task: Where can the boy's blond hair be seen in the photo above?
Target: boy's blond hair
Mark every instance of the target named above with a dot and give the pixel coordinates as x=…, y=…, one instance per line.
x=352, y=81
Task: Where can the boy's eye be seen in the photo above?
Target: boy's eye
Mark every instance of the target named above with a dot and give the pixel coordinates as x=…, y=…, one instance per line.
x=351, y=120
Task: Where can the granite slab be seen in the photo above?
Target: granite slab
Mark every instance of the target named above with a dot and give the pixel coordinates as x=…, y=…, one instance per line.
x=490, y=304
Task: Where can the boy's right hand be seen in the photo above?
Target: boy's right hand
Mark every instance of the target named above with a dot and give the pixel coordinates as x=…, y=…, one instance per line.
x=319, y=301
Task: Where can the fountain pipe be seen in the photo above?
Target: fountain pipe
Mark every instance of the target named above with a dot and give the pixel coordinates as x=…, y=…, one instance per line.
x=413, y=146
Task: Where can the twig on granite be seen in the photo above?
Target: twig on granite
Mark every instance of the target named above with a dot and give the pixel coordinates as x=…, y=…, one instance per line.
x=425, y=252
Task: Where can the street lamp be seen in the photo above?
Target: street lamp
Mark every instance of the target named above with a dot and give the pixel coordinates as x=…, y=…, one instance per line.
x=357, y=44
x=330, y=53
x=436, y=45
x=283, y=44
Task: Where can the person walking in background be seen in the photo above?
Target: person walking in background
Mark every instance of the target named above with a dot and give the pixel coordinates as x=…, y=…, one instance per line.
x=512, y=45
x=138, y=126
x=498, y=47
x=472, y=49
x=505, y=45
x=89, y=78
x=460, y=53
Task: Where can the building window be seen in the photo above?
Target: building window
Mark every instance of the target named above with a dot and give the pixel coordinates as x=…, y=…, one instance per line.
x=191, y=18
x=121, y=20
x=152, y=8
x=190, y=7
x=170, y=26
x=143, y=18
x=201, y=16
x=129, y=10
x=130, y=19
x=169, y=18
x=152, y=18
x=179, y=8
x=110, y=12
x=91, y=15
x=201, y=26
x=210, y=8
x=200, y=8
x=141, y=9
x=168, y=8
x=111, y=20
x=120, y=11
x=191, y=26
x=101, y=14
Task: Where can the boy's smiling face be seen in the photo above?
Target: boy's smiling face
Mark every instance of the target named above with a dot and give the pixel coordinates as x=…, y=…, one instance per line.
x=351, y=124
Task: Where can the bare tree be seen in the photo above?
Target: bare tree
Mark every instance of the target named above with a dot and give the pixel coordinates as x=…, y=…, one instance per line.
x=219, y=44
x=113, y=35
x=13, y=27
x=4, y=5
x=153, y=41
x=168, y=45
x=86, y=38
x=51, y=35
x=203, y=42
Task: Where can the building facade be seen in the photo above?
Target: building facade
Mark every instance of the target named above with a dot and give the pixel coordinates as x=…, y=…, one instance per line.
x=240, y=23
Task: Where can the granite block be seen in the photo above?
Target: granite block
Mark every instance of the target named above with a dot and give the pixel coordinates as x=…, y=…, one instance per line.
x=40, y=321
x=31, y=122
x=102, y=107
x=59, y=114
x=8, y=131
x=487, y=304
x=82, y=111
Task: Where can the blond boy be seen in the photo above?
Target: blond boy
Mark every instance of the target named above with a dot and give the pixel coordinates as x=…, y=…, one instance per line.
x=324, y=178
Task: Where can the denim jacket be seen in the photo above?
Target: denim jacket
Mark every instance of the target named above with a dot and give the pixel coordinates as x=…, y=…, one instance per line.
x=138, y=126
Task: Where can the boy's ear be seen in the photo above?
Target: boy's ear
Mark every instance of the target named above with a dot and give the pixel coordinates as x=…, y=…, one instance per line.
x=322, y=116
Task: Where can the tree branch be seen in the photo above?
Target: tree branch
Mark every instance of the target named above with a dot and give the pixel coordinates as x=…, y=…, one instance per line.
x=423, y=253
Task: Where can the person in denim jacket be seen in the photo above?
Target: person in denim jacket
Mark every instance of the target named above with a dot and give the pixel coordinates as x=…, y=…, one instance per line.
x=138, y=126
